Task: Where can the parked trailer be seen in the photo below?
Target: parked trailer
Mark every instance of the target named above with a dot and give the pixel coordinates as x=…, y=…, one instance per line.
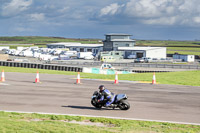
x=22, y=48
x=45, y=57
x=36, y=55
x=17, y=52
x=82, y=55
x=27, y=53
x=90, y=57
x=64, y=57
x=11, y=51
x=4, y=47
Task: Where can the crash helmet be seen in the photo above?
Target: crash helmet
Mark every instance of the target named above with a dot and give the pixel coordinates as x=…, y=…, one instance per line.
x=101, y=87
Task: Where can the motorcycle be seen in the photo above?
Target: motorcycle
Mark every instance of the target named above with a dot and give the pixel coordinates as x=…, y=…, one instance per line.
x=120, y=101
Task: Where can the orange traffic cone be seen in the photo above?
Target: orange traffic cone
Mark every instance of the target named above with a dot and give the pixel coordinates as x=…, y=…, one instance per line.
x=78, y=80
x=37, y=80
x=154, y=78
x=2, y=76
x=116, y=78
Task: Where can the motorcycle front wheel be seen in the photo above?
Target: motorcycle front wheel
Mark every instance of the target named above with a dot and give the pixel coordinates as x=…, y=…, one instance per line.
x=95, y=104
x=124, y=105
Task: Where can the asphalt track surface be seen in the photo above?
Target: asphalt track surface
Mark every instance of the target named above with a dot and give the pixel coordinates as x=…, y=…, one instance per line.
x=59, y=94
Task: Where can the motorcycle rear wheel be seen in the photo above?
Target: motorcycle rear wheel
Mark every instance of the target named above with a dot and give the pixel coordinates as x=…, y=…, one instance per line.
x=124, y=105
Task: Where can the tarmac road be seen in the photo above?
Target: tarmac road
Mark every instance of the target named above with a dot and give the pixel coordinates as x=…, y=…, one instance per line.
x=60, y=94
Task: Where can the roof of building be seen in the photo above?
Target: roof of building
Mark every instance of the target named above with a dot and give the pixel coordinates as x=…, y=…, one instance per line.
x=117, y=34
x=73, y=44
x=139, y=48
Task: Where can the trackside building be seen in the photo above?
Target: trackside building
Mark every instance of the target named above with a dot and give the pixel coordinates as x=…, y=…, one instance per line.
x=139, y=52
x=118, y=43
x=94, y=48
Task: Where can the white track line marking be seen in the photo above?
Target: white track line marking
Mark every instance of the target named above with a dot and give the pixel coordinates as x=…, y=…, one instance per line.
x=175, y=122
x=3, y=84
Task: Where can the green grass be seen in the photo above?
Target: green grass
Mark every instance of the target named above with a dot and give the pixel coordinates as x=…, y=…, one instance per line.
x=28, y=123
x=169, y=43
x=184, y=48
x=181, y=47
x=29, y=45
x=184, y=52
x=191, y=78
x=41, y=40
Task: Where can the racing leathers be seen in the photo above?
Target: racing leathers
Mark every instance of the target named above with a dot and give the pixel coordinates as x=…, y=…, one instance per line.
x=109, y=96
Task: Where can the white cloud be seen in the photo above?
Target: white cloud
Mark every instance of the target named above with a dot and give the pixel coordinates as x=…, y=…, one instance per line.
x=15, y=7
x=63, y=10
x=161, y=20
x=196, y=20
x=151, y=8
x=110, y=10
x=159, y=12
x=37, y=17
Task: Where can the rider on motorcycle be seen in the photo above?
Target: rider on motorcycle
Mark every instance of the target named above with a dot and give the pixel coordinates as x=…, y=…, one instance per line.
x=107, y=95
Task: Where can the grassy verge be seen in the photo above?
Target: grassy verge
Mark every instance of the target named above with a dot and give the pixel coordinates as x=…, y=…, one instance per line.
x=28, y=123
x=184, y=52
x=168, y=43
x=41, y=40
x=184, y=48
x=191, y=78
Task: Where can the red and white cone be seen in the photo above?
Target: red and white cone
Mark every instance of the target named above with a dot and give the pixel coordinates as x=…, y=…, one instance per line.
x=37, y=80
x=2, y=76
x=78, y=80
x=154, y=78
x=116, y=78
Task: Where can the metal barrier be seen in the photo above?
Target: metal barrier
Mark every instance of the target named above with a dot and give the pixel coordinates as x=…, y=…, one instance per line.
x=144, y=65
x=41, y=66
x=148, y=65
x=73, y=68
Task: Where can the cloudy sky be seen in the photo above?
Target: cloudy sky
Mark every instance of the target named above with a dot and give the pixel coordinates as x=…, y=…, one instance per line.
x=144, y=19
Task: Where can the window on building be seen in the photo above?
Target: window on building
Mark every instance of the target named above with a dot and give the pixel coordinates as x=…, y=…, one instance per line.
x=74, y=49
x=107, y=38
x=81, y=49
x=89, y=50
x=127, y=45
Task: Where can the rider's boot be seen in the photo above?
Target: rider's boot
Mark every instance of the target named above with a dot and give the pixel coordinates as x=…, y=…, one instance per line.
x=111, y=106
x=114, y=106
